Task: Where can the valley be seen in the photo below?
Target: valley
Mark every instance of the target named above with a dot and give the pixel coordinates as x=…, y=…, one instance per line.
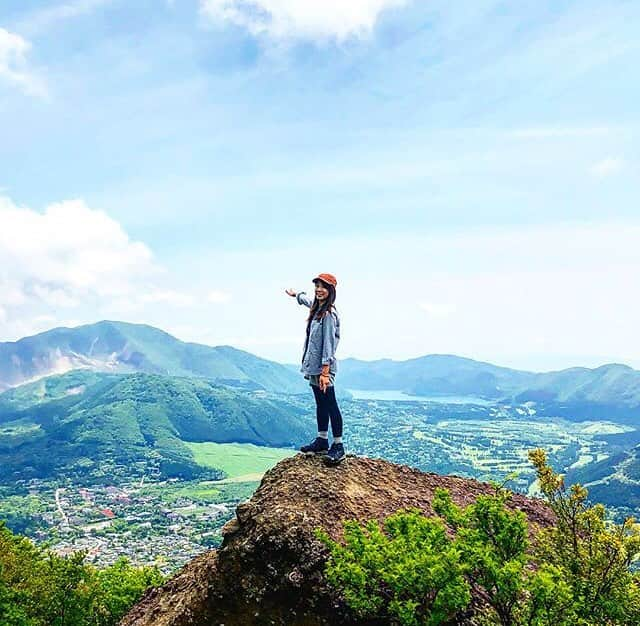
x=166, y=521
x=145, y=446
x=157, y=521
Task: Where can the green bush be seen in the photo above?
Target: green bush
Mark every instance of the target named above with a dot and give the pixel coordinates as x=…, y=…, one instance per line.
x=492, y=542
x=593, y=554
x=412, y=572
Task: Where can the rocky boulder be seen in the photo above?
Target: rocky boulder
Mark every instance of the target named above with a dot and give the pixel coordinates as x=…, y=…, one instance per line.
x=269, y=567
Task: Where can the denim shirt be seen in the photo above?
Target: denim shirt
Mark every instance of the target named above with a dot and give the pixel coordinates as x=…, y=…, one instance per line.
x=324, y=336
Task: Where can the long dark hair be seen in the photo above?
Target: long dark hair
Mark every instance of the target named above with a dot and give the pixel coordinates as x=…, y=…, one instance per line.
x=320, y=310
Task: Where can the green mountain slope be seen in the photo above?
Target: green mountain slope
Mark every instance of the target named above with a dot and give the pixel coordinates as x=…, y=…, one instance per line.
x=121, y=348
x=614, y=481
x=75, y=422
x=118, y=347
x=608, y=383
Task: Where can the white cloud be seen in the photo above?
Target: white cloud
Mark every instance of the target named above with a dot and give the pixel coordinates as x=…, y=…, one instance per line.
x=606, y=167
x=45, y=18
x=45, y=319
x=13, y=64
x=300, y=19
x=72, y=247
x=55, y=296
x=71, y=264
x=67, y=257
x=218, y=297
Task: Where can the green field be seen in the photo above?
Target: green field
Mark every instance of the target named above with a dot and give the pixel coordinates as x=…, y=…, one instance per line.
x=238, y=459
x=202, y=492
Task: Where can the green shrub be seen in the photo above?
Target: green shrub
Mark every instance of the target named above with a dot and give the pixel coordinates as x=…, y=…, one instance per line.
x=593, y=554
x=492, y=543
x=550, y=598
x=412, y=572
x=409, y=572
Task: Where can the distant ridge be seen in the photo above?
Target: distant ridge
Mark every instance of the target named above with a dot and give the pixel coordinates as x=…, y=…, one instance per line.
x=609, y=391
x=613, y=385
x=121, y=347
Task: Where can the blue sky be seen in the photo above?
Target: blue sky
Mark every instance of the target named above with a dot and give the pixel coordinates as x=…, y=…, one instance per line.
x=470, y=171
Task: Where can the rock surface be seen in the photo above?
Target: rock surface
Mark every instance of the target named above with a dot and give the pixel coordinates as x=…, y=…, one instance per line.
x=269, y=567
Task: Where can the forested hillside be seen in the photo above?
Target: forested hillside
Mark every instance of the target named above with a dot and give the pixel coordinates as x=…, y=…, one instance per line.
x=75, y=423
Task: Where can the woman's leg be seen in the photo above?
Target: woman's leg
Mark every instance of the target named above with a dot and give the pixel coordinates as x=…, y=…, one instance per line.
x=322, y=411
x=336, y=451
x=320, y=444
x=334, y=413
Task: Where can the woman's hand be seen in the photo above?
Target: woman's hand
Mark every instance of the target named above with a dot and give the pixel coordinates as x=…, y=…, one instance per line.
x=323, y=382
x=291, y=292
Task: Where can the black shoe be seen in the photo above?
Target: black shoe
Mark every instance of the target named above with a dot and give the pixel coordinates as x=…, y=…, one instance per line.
x=318, y=446
x=335, y=454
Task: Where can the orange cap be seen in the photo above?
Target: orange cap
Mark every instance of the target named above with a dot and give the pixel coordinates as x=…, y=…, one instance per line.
x=330, y=279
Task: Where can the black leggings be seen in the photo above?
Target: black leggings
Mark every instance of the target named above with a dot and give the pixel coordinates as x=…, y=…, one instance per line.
x=327, y=408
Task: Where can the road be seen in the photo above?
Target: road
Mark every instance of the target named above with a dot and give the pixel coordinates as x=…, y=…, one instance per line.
x=65, y=519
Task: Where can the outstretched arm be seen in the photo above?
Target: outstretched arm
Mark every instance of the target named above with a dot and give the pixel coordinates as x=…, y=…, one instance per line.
x=301, y=297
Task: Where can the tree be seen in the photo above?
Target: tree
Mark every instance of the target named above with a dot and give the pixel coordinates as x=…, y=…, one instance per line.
x=119, y=587
x=593, y=555
x=41, y=588
x=12, y=612
x=61, y=590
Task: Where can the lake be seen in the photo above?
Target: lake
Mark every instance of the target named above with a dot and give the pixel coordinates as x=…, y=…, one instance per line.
x=401, y=396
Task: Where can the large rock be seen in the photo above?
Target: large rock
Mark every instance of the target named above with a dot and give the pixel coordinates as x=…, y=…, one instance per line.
x=269, y=567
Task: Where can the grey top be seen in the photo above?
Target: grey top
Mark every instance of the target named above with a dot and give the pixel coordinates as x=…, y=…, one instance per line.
x=324, y=336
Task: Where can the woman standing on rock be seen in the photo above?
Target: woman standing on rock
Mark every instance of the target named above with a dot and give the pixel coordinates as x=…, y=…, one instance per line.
x=319, y=364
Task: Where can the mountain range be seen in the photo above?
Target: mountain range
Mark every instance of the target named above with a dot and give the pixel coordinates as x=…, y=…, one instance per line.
x=120, y=347
x=610, y=390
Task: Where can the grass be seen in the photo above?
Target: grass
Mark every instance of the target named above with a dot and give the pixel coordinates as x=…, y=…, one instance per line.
x=238, y=459
x=243, y=478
